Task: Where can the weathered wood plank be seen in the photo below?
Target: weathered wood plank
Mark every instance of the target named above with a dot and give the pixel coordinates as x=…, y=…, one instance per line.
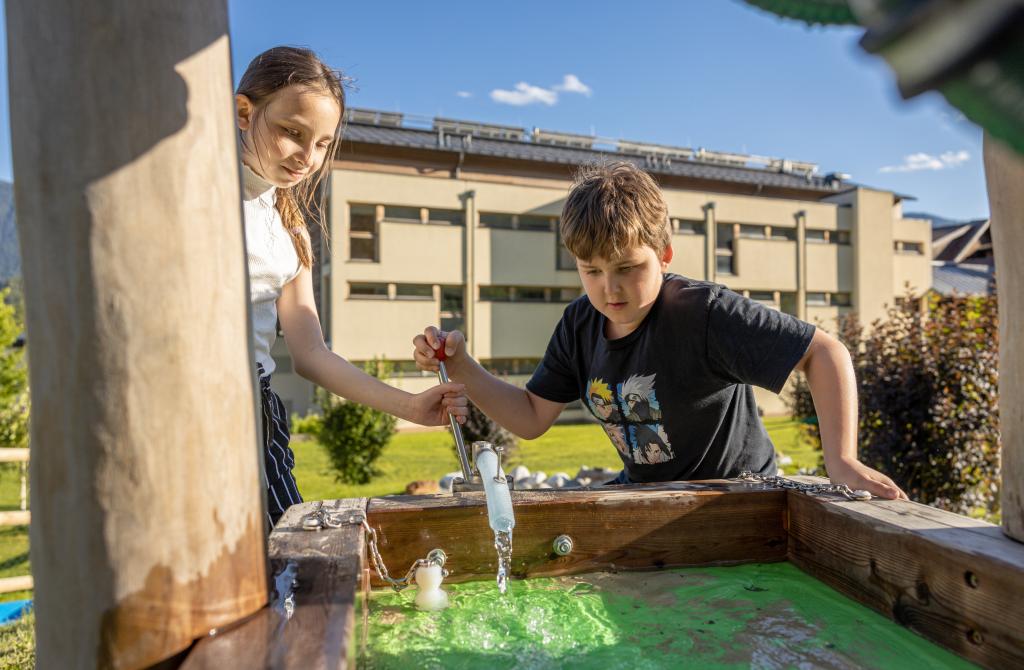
x=14, y=455
x=956, y=581
x=322, y=571
x=9, y=584
x=146, y=516
x=629, y=528
x=15, y=518
x=1004, y=173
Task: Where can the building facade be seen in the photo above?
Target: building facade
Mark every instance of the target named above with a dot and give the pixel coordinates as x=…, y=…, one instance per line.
x=450, y=223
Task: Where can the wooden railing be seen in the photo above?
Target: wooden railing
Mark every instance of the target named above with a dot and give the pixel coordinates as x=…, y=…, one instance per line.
x=20, y=517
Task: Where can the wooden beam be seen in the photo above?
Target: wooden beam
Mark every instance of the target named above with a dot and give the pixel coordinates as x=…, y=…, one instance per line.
x=15, y=518
x=952, y=579
x=147, y=528
x=14, y=455
x=313, y=627
x=11, y=584
x=1004, y=173
x=629, y=527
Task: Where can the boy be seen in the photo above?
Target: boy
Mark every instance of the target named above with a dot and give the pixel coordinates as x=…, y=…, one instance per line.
x=665, y=363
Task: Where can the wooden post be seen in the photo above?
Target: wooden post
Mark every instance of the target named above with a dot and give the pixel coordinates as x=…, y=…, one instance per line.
x=1004, y=172
x=147, y=525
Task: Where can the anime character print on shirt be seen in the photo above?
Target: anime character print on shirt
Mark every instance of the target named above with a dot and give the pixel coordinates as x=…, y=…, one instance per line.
x=631, y=416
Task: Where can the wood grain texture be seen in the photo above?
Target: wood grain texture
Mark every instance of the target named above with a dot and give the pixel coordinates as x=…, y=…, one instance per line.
x=315, y=630
x=957, y=581
x=1004, y=174
x=627, y=527
x=147, y=528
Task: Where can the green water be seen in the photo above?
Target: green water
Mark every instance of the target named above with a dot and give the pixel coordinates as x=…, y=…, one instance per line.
x=751, y=616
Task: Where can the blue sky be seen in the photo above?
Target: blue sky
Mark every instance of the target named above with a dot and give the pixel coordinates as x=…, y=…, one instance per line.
x=716, y=74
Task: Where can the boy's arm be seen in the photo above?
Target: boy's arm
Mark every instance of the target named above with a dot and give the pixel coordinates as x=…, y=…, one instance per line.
x=518, y=410
x=833, y=386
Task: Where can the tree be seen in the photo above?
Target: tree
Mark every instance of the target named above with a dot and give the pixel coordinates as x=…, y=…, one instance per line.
x=14, y=395
x=928, y=399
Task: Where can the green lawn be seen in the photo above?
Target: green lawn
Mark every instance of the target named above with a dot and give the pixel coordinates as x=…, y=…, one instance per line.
x=408, y=457
x=412, y=456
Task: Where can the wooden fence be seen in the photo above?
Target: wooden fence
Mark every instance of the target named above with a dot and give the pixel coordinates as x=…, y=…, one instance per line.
x=20, y=517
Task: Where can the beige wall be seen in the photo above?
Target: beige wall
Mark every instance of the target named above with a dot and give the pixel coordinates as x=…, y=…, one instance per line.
x=515, y=330
x=869, y=268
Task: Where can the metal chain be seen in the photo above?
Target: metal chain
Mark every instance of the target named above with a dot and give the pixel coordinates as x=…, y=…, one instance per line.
x=782, y=482
x=320, y=518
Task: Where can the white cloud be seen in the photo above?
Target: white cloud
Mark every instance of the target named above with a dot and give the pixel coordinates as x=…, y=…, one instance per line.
x=923, y=161
x=572, y=84
x=528, y=94
x=464, y=94
x=525, y=94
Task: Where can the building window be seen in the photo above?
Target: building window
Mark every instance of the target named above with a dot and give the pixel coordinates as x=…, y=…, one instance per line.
x=493, y=220
x=909, y=248
x=402, y=214
x=817, y=236
x=414, y=291
x=763, y=296
x=752, y=232
x=840, y=237
x=452, y=314
x=518, y=221
x=404, y=368
x=787, y=303
x=496, y=293
x=450, y=217
x=817, y=299
x=688, y=226
x=724, y=258
x=841, y=299
x=528, y=222
x=366, y=291
x=362, y=233
x=564, y=294
x=564, y=260
x=529, y=294
x=788, y=234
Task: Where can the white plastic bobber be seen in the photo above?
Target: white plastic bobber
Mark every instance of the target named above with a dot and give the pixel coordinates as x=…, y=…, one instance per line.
x=430, y=596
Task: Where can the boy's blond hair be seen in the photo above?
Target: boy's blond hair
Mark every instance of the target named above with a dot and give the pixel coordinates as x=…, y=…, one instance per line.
x=612, y=208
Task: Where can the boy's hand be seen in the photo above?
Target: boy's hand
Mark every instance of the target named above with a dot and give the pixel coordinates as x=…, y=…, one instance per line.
x=856, y=475
x=432, y=407
x=426, y=344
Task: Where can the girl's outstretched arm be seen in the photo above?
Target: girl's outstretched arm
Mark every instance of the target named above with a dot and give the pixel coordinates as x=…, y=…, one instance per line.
x=296, y=310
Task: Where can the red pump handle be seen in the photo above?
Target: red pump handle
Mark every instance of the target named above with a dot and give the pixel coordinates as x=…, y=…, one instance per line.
x=439, y=352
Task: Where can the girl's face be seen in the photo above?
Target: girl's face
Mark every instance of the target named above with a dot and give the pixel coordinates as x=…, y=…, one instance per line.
x=287, y=140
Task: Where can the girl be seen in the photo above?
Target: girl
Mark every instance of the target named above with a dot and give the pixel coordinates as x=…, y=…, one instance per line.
x=289, y=111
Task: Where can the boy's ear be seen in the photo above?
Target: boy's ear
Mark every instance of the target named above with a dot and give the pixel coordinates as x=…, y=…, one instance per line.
x=666, y=256
x=243, y=112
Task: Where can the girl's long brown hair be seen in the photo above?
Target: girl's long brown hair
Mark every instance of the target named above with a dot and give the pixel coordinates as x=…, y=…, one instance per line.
x=267, y=74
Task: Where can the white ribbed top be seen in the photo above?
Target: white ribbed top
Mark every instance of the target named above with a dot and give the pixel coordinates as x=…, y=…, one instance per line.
x=272, y=261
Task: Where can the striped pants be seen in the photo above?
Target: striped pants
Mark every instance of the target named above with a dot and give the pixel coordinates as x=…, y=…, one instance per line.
x=278, y=458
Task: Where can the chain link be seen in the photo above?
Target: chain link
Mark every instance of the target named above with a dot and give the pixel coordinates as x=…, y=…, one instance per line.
x=782, y=482
x=320, y=518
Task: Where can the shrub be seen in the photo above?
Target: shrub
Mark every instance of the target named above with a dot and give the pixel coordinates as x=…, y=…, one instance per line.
x=928, y=392
x=354, y=435
x=14, y=394
x=306, y=425
x=480, y=427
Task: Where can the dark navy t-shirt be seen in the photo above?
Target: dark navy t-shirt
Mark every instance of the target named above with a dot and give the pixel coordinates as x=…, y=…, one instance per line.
x=675, y=396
